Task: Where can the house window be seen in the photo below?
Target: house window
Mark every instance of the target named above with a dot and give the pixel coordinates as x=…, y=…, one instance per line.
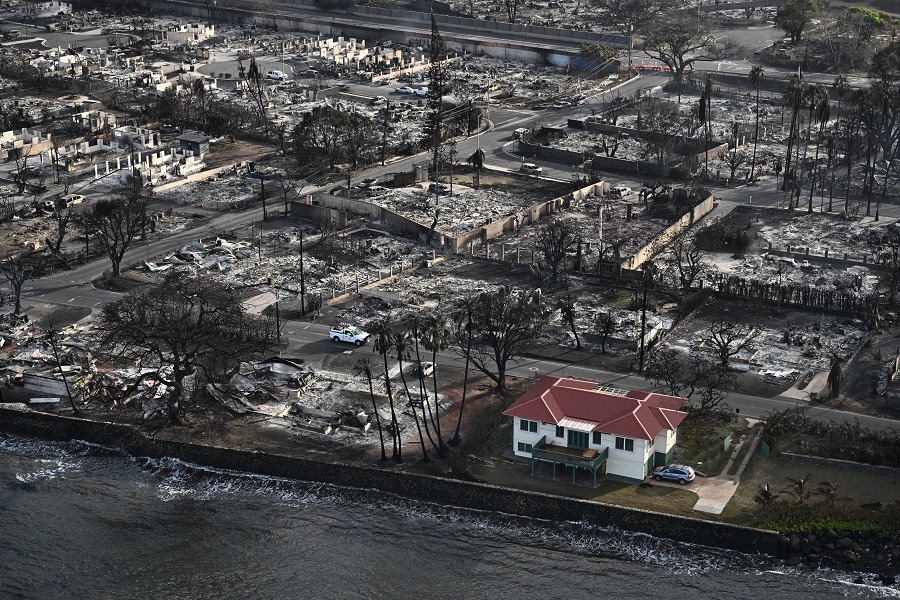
x=578, y=439
x=525, y=425
x=626, y=444
x=560, y=431
x=598, y=438
x=523, y=447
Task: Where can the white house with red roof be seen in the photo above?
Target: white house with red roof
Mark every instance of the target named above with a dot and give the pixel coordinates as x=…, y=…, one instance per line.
x=582, y=425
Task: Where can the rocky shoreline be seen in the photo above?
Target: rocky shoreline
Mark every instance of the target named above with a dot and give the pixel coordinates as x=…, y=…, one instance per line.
x=860, y=552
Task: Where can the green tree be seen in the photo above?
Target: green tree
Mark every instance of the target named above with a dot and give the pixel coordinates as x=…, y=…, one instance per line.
x=680, y=39
x=794, y=16
x=181, y=327
x=628, y=17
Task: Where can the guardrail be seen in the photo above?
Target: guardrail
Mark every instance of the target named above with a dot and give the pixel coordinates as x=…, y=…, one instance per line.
x=539, y=452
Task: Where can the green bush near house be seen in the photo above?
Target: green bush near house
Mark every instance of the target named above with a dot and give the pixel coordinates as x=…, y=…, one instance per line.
x=701, y=437
x=791, y=517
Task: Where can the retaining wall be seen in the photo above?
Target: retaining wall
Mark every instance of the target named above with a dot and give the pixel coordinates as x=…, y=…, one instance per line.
x=420, y=487
x=836, y=463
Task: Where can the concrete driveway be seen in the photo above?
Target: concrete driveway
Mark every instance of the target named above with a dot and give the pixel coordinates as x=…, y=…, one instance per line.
x=714, y=493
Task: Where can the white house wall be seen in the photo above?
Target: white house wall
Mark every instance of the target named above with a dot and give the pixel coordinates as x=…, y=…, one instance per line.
x=620, y=462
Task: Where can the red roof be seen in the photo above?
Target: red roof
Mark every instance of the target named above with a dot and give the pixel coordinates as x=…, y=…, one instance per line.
x=639, y=414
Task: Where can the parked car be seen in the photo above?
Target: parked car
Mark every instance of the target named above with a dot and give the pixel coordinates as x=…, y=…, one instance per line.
x=531, y=169
x=71, y=200
x=519, y=133
x=679, y=473
x=405, y=90
x=311, y=73
x=279, y=75
x=378, y=100
x=346, y=332
x=422, y=91
x=619, y=191
x=440, y=188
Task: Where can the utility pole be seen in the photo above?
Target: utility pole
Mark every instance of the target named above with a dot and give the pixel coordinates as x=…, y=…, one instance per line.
x=302, y=279
x=387, y=111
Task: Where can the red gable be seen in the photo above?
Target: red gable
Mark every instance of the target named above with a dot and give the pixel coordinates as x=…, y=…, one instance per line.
x=638, y=414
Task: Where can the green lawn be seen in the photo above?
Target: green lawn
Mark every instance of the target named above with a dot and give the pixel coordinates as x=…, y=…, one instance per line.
x=702, y=438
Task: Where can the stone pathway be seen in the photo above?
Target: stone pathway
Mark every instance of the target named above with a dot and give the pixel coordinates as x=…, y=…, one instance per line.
x=715, y=492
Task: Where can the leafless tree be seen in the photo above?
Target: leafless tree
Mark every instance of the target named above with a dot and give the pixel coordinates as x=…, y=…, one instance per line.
x=62, y=218
x=556, y=238
x=687, y=261
x=567, y=306
x=512, y=9
x=605, y=326
x=19, y=268
x=705, y=382
x=504, y=325
x=661, y=121
x=734, y=160
x=23, y=172
x=727, y=339
x=116, y=223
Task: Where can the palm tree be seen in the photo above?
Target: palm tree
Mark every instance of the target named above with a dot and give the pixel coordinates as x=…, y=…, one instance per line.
x=364, y=367
x=756, y=77
x=765, y=496
x=467, y=307
x=793, y=98
x=401, y=347
x=859, y=102
x=820, y=112
x=381, y=332
x=436, y=338
x=414, y=331
x=840, y=86
x=799, y=488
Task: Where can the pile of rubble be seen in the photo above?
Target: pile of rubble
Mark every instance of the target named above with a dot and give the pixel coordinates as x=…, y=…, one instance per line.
x=467, y=209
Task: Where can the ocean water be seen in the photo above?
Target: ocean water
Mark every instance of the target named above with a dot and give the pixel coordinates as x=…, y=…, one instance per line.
x=82, y=521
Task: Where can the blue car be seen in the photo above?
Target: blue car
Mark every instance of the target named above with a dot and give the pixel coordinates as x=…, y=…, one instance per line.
x=679, y=473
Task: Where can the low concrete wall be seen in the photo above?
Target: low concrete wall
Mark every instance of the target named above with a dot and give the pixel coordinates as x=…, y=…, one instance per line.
x=686, y=220
x=420, y=487
x=836, y=463
x=397, y=223
x=311, y=212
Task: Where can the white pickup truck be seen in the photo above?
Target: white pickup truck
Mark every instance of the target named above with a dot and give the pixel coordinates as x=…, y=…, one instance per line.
x=345, y=332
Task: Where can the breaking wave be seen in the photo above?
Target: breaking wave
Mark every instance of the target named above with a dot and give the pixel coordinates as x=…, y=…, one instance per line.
x=175, y=480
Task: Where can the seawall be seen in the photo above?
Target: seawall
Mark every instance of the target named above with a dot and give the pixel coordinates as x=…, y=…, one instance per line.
x=428, y=488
